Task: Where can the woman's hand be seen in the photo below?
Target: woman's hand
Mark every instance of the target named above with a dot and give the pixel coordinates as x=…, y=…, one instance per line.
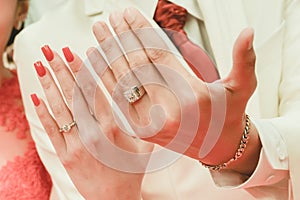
x=170, y=107
x=108, y=175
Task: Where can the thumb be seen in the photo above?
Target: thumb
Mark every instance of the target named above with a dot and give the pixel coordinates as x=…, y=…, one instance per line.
x=242, y=76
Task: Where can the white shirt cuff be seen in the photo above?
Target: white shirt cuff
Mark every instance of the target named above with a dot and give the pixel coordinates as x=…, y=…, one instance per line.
x=272, y=165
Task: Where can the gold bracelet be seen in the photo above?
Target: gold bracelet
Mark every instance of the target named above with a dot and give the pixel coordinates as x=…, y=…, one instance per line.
x=239, y=151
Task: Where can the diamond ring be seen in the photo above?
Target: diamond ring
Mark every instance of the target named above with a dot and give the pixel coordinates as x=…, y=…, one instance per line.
x=67, y=127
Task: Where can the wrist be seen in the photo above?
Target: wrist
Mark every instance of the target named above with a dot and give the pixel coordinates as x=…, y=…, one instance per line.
x=248, y=162
x=234, y=150
x=227, y=144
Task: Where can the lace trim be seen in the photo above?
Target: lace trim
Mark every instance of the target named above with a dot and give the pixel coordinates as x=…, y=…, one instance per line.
x=12, y=115
x=25, y=178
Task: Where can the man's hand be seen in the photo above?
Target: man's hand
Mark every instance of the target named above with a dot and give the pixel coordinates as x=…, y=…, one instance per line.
x=178, y=111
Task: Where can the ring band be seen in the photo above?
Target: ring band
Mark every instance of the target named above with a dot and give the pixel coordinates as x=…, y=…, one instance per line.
x=134, y=94
x=67, y=127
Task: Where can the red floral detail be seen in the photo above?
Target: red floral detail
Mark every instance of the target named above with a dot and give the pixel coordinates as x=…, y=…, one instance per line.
x=25, y=178
x=12, y=115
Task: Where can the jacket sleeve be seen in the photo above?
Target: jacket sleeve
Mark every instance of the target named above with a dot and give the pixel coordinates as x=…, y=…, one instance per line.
x=279, y=135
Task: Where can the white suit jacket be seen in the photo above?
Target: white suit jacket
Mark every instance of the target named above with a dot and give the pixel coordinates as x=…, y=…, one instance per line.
x=274, y=107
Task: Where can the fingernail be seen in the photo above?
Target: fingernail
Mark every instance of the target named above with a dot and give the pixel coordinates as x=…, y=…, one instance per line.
x=250, y=45
x=68, y=54
x=48, y=53
x=130, y=14
x=35, y=100
x=40, y=69
x=116, y=18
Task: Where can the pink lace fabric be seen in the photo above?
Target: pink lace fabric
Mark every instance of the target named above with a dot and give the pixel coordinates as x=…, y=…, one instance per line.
x=22, y=175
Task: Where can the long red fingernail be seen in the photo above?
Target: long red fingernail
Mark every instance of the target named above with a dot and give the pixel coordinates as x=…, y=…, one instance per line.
x=40, y=69
x=48, y=53
x=68, y=54
x=35, y=100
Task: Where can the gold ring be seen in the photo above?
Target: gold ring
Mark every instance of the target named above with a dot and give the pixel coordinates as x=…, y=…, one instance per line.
x=134, y=94
x=67, y=127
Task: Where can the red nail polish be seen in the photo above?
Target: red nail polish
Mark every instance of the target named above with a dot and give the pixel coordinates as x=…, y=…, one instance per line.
x=68, y=54
x=40, y=69
x=35, y=100
x=48, y=53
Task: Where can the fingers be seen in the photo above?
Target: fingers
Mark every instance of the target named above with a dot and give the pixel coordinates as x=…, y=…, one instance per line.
x=85, y=81
x=102, y=69
x=242, y=76
x=136, y=56
x=107, y=76
x=58, y=106
x=61, y=71
x=92, y=93
x=88, y=85
x=156, y=48
x=73, y=60
x=61, y=112
x=138, y=62
x=49, y=125
x=114, y=54
x=119, y=78
x=163, y=58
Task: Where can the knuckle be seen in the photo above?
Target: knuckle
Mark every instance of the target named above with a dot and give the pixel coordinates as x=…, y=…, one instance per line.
x=76, y=153
x=42, y=115
x=56, y=66
x=157, y=55
x=89, y=88
x=137, y=23
x=68, y=93
x=93, y=139
x=111, y=50
x=122, y=73
x=110, y=128
x=137, y=60
x=51, y=130
x=117, y=95
x=126, y=80
x=72, y=157
x=58, y=110
x=48, y=127
x=107, y=45
x=46, y=83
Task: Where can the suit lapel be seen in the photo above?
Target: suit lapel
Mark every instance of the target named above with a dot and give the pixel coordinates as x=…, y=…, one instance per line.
x=222, y=27
x=224, y=20
x=96, y=8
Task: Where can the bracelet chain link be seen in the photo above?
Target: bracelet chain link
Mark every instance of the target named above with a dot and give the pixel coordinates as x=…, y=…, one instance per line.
x=239, y=151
